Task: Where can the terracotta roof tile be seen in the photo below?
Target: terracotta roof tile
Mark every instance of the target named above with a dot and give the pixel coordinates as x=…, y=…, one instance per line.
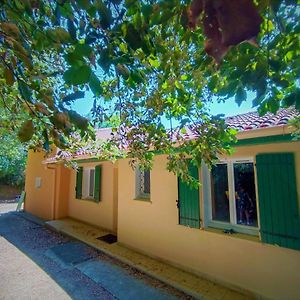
x=252, y=120
x=243, y=122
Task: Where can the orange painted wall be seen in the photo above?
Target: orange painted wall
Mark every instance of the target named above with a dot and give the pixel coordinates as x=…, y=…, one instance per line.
x=100, y=214
x=39, y=201
x=55, y=198
x=62, y=191
x=152, y=228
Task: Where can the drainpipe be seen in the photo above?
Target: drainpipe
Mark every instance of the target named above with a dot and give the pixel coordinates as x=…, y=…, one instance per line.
x=54, y=194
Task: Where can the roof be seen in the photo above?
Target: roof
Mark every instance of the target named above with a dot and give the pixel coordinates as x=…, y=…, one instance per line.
x=243, y=122
x=253, y=120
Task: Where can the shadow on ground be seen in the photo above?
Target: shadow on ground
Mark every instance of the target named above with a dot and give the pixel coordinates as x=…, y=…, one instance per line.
x=83, y=272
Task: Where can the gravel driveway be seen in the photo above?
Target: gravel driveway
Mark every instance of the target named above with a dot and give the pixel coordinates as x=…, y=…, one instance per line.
x=76, y=269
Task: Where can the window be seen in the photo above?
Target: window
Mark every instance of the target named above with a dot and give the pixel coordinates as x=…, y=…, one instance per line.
x=142, y=183
x=233, y=196
x=88, y=183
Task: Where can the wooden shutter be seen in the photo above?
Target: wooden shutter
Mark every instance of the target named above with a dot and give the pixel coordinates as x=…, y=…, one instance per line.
x=97, y=190
x=278, y=200
x=78, y=188
x=188, y=201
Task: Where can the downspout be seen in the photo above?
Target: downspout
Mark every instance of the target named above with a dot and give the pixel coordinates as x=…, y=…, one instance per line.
x=54, y=194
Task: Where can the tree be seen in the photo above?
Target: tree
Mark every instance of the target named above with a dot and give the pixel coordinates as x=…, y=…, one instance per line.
x=12, y=160
x=143, y=62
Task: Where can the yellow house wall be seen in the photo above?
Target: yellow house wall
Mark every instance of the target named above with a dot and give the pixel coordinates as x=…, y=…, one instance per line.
x=152, y=227
x=99, y=214
x=39, y=201
x=62, y=191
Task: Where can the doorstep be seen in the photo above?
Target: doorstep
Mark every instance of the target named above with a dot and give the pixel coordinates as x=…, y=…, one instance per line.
x=187, y=282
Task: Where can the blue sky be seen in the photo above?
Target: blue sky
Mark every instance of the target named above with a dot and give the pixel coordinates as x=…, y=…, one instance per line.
x=228, y=108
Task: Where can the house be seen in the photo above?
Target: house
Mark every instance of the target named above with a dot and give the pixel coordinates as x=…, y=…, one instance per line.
x=240, y=228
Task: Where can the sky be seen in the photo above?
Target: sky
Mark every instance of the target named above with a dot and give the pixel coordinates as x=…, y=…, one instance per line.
x=228, y=108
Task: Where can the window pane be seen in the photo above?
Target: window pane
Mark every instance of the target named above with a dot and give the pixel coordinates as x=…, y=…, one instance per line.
x=219, y=193
x=244, y=184
x=92, y=183
x=146, y=187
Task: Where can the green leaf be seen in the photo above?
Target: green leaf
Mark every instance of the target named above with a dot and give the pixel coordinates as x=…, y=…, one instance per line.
x=77, y=76
x=123, y=70
x=132, y=37
x=293, y=99
x=59, y=35
x=136, y=76
x=95, y=85
x=184, y=18
x=24, y=90
x=104, y=60
x=73, y=96
x=84, y=4
x=273, y=105
x=240, y=96
x=10, y=29
x=106, y=18
x=9, y=76
x=83, y=50
x=275, y=4
x=154, y=62
x=78, y=120
x=26, y=131
x=46, y=144
x=183, y=77
x=71, y=29
x=147, y=10
x=57, y=15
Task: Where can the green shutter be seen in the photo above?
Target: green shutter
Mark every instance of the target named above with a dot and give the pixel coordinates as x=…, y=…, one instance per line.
x=97, y=190
x=278, y=199
x=188, y=201
x=78, y=188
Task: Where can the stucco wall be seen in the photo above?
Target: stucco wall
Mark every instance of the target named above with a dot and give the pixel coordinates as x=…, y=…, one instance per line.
x=99, y=214
x=152, y=227
x=61, y=191
x=39, y=201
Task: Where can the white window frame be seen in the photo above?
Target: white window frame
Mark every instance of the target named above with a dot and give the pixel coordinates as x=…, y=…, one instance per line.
x=207, y=196
x=139, y=193
x=86, y=183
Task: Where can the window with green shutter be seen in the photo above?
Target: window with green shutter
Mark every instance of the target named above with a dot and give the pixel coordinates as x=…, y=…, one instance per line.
x=88, y=183
x=278, y=199
x=188, y=201
x=79, y=177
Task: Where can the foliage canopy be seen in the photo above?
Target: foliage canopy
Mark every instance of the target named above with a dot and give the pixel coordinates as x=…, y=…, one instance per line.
x=12, y=160
x=143, y=64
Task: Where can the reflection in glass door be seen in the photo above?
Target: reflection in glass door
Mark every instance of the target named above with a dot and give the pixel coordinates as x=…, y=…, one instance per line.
x=244, y=185
x=233, y=197
x=219, y=193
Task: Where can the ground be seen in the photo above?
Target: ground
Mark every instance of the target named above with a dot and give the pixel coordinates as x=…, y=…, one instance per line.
x=8, y=205
x=37, y=263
